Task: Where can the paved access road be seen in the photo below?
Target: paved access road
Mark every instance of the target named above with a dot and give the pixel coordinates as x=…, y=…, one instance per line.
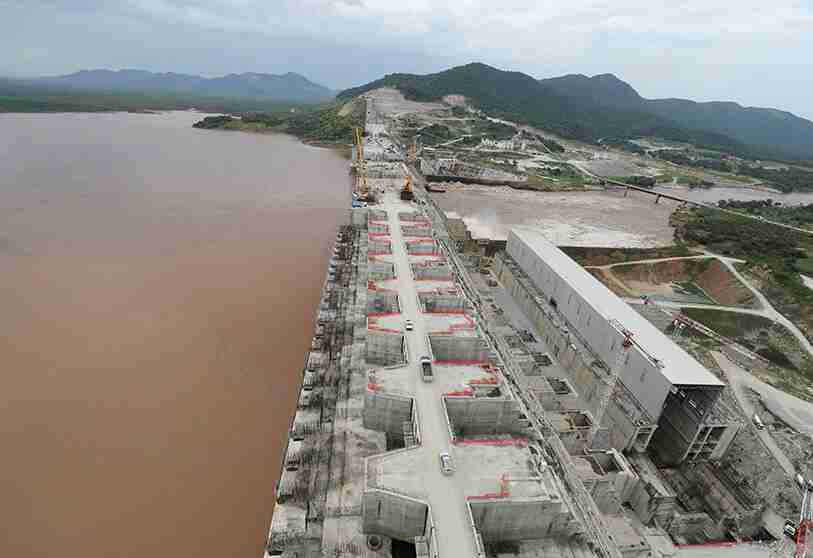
x=445, y=494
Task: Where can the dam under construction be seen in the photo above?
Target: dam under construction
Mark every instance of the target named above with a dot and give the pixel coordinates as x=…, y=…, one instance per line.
x=468, y=398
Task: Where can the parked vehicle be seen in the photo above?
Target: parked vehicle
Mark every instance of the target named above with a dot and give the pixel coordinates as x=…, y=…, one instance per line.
x=758, y=422
x=446, y=465
x=426, y=369
x=789, y=529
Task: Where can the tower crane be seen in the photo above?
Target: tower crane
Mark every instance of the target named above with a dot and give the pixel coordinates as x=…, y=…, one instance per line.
x=611, y=380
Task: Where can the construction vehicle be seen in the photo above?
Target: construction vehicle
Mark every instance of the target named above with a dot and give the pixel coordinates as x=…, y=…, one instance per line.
x=406, y=192
x=426, y=369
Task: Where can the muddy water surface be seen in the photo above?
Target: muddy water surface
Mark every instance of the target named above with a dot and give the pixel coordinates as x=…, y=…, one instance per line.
x=567, y=218
x=157, y=293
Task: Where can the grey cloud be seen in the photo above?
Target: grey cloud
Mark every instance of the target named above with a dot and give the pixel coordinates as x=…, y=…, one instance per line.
x=754, y=53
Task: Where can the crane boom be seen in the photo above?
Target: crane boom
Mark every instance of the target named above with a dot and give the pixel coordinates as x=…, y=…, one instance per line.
x=611, y=380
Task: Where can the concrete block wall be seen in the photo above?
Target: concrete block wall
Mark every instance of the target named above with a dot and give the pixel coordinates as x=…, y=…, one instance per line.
x=393, y=515
x=517, y=520
x=384, y=349
x=422, y=248
x=381, y=302
x=381, y=271
x=431, y=272
x=411, y=216
x=416, y=230
x=479, y=416
x=443, y=303
x=450, y=348
x=379, y=245
x=386, y=412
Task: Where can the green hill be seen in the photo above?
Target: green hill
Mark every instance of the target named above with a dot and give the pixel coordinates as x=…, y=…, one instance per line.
x=589, y=109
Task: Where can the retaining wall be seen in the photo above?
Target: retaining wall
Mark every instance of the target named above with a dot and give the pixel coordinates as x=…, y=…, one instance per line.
x=384, y=349
x=517, y=520
x=382, y=302
x=442, y=303
x=431, y=271
x=386, y=412
x=393, y=515
x=464, y=349
x=472, y=416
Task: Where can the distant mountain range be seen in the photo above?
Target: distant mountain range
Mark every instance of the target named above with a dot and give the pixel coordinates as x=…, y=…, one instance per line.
x=285, y=87
x=603, y=106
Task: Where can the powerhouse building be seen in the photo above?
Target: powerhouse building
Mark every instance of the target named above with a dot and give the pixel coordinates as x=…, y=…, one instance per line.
x=678, y=392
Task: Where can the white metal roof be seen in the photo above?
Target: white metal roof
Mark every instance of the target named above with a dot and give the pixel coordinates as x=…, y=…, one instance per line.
x=679, y=367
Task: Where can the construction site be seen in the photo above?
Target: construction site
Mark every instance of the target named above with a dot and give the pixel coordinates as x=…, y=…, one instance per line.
x=493, y=398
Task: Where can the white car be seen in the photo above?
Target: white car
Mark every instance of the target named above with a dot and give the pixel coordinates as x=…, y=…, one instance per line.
x=408, y=325
x=446, y=463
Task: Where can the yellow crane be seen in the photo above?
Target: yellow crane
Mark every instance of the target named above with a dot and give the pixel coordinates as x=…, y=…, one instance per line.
x=406, y=191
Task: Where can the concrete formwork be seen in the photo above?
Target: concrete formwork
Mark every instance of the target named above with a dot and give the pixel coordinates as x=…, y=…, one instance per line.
x=382, y=302
x=393, y=515
x=384, y=348
x=387, y=412
x=518, y=519
x=446, y=348
x=412, y=216
x=379, y=246
x=555, y=393
x=476, y=416
x=573, y=428
x=443, y=303
x=651, y=498
x=608, y=477
x=421, y=230
x=422, y=247
x=378, y=228
x=431, y=271
x=381, y=271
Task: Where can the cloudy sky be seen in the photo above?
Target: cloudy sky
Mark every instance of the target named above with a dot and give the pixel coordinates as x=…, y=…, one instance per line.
x=754, y=52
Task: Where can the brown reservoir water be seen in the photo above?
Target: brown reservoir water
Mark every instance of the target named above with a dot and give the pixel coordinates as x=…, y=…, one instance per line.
x=157, y=293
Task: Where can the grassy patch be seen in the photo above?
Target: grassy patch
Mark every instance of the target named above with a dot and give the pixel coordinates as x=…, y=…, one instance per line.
x=607, y=256
x=729, y=324
x=804, y=265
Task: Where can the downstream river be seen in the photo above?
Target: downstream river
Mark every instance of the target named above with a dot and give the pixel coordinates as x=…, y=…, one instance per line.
x=157, y=292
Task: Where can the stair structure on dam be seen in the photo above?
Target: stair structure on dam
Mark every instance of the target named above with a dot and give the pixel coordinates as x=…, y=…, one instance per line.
x=529, y=472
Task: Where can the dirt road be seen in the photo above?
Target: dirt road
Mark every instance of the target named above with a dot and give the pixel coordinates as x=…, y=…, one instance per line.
x=737, y=380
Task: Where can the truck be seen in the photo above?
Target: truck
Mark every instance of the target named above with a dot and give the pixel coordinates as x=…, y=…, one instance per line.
x=426, y=369
x=758, y=422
